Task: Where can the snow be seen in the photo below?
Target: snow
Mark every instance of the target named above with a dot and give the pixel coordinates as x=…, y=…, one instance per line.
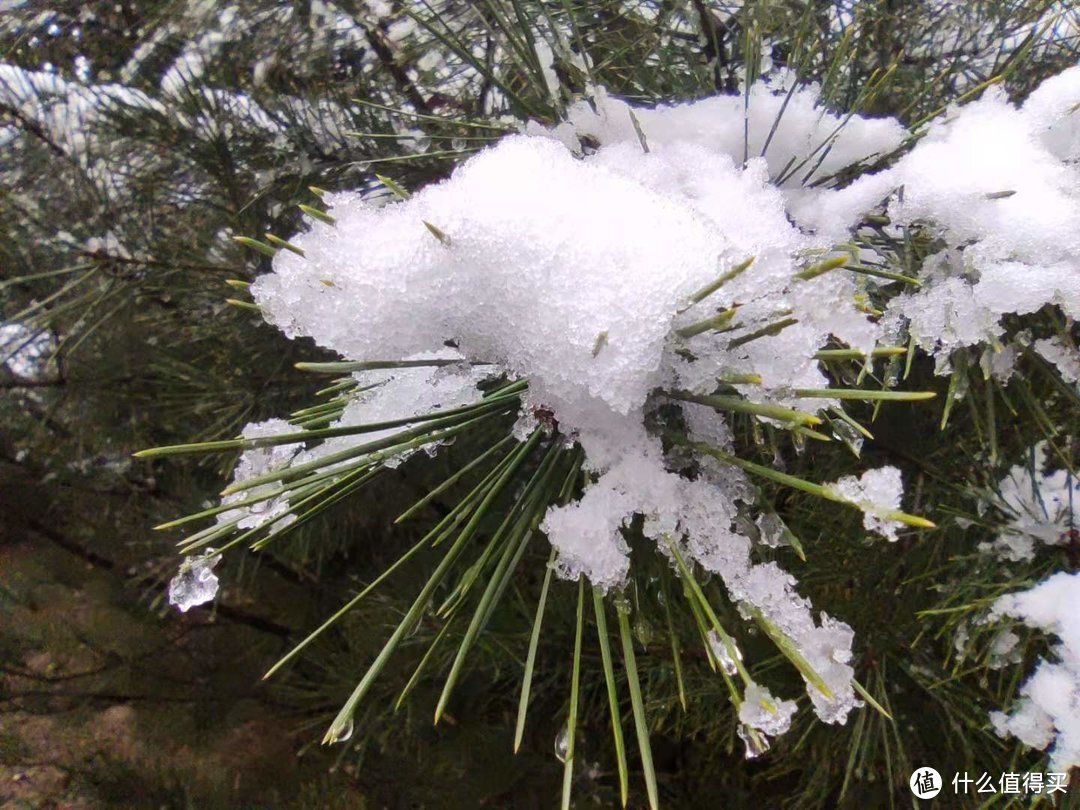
x=68, y=114
x=1047, y=713
x=761, y=711
x=699, y=517
x=198, y=54
x=1000, y=186
x=876, y=493
x=526, y=203
x=1052, y=114
x=25, y=351
x=425, y=389
x=576, y=271
x=1063, y=355
x=1004, y=650
x=257, y=462
x=1038, y=505
x=806, y=133
x=78, y=119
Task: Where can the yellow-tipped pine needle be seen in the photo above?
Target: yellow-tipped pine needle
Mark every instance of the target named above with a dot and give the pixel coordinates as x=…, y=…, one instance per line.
x=865, y=695
x=815, y=270
x=859, y=393
x=741, y=379
x=281, y=243
x=713, y=286
x=717, y=321
x=739, y=405
x=855, y=354
x=601, y=342
x=242, y=305
x=436, y=232
x=256, y=245
x=397, y=190
x=809, y=486
x=315, y=213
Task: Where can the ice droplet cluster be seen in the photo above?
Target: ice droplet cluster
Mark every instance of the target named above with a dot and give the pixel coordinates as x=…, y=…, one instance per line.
x=761, y=711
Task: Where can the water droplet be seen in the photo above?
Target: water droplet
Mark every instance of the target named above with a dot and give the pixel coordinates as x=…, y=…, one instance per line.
x=799, y=442
x=756, y=743
x=562, y=743
x=416, y=626
x=844, y=431
x=458, y=144
x=342, y=734
x=756, y=434
x=643, y=630
x=423, y=143
x=723, y=657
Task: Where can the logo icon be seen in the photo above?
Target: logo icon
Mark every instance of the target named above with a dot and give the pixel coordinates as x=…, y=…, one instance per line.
x=925, y=783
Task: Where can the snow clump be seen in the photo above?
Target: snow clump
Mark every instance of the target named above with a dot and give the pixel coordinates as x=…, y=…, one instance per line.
x=1048, y=711
x=1038, y=505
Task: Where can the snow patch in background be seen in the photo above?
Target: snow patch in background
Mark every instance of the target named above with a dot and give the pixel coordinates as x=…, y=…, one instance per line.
x=1048, y=711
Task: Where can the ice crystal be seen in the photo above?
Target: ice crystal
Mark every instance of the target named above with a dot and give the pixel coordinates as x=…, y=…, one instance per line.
x=756, y=743
x=195, y=583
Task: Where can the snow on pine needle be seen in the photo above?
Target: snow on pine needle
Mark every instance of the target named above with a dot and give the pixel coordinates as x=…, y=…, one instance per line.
x=1037, y=502
x=581, y=276
x=1047, y=713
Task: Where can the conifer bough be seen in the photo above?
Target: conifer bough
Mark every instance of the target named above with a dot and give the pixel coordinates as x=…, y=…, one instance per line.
x=555, y=297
